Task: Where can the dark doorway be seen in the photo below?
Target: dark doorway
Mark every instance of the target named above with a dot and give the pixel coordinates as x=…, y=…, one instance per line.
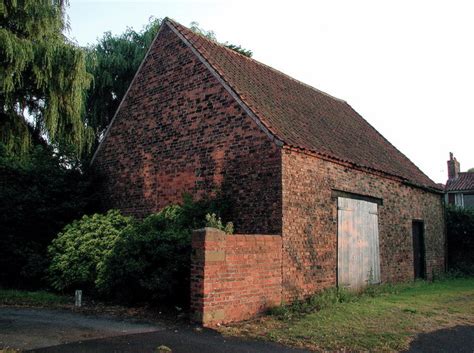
x=419, y=249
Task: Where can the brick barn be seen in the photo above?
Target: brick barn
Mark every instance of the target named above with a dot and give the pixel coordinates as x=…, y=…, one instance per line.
x=320, y=197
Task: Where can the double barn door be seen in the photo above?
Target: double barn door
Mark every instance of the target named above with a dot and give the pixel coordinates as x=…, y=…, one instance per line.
x=358, y=243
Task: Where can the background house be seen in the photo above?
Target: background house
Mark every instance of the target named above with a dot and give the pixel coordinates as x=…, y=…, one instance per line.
x=347, y=207
x=460, y=185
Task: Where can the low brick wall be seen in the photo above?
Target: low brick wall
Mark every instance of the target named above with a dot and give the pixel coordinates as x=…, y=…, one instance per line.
x=234, y=277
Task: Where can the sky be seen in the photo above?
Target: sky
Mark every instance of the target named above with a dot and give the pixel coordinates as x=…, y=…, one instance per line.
x=406, y=66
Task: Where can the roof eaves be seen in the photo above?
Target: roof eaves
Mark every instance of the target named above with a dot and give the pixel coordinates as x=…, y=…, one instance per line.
x=437, y=190
x=456, y=191
x=364, y=168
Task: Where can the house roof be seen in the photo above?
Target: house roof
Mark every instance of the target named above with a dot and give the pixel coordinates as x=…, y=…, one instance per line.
x=301, y=116
x=463, y=182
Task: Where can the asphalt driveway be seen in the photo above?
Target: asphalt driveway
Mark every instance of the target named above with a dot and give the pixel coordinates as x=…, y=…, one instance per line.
x=57, y=331
x=42, y=330
x=458, y=339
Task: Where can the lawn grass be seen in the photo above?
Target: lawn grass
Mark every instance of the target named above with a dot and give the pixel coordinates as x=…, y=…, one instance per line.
x=386, y=318
x=37, y=298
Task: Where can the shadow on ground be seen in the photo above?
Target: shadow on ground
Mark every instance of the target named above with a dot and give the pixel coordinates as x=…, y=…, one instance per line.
x=459, y=339
x=179, y=341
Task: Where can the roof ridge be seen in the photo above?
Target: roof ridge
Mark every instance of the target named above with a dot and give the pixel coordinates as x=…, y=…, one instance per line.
x=173, y=22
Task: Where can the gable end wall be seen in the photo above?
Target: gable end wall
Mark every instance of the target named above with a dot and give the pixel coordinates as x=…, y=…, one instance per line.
x=310, y=223
x=178, y=130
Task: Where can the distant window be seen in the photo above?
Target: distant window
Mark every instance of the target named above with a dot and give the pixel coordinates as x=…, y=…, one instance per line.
x=451, y=199
x=458, y=200
x=469, y=200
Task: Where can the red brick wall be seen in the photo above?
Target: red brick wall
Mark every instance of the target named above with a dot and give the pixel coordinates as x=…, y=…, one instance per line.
x=179, y=131
x=234, y=277
x=310, y=223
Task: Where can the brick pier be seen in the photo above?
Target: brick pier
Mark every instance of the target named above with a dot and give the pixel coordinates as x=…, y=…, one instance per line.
x=234, y=277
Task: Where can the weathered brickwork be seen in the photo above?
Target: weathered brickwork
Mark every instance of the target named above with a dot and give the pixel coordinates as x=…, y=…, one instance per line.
x=180, y=131
x=310, y=223
x=234, y=277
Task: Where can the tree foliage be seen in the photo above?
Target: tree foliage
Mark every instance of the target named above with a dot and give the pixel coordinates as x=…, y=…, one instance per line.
x=246, y=52
x=51, y=87
x=39, y=195
x=460, y=237
x=43, y=76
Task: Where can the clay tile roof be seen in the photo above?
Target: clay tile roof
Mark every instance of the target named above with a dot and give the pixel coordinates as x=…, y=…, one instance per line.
x=463, y=182
x=303, y=117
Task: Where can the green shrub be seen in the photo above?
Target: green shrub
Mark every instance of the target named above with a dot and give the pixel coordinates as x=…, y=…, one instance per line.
x=151, y=261
x=79, y=251
x=132, y=261
x=460, y=237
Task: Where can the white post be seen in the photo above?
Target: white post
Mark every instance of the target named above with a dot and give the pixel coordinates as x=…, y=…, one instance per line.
x=78, y=298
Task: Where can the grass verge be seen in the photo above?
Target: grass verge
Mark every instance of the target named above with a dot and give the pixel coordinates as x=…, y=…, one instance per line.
x=26, y=298
x=383, y=318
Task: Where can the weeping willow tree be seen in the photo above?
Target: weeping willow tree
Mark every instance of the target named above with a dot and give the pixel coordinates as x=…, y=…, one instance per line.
x=43, y=77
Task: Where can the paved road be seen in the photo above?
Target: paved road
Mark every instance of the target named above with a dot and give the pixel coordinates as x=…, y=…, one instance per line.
x=48, y=331
x=54, y=331
x=459, y=339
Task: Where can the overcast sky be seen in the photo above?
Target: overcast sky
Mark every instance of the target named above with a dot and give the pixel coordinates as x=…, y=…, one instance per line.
x=406, y=66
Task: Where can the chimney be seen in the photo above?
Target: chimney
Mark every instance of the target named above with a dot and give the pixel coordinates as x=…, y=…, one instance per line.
x=453, y=166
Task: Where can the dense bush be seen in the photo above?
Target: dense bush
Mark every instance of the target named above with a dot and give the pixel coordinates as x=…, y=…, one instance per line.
x=151, y=261
x=460, y=236
x=79, y=251
x=39, y=194
x=134, y=261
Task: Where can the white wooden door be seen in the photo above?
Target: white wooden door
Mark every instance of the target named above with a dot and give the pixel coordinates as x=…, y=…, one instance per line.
x=358, y=243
